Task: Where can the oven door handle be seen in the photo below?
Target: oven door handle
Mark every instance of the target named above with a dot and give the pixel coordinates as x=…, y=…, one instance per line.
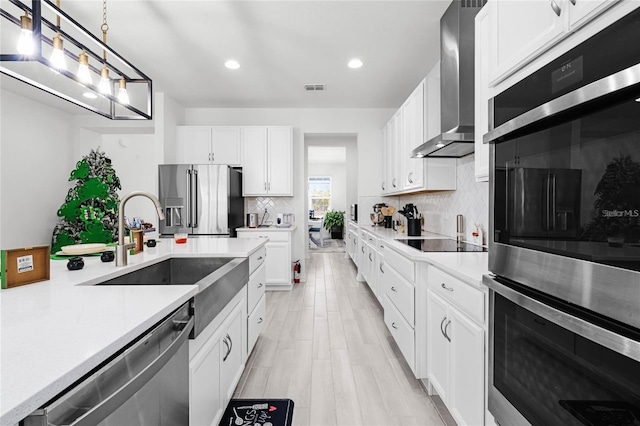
x=110, y=403
x=620, y=344
x=602, y=88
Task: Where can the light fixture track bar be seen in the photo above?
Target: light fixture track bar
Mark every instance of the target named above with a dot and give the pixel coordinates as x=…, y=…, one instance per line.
x=102, y=45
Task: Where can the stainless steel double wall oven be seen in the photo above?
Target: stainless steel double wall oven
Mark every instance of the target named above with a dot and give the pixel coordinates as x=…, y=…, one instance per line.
x=564, y=253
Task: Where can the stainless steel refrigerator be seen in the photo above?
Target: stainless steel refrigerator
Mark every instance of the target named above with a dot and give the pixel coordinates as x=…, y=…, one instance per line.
x=201, y=199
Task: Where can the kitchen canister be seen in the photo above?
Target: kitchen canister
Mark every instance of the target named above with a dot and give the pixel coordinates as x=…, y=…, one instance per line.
x=413, y=227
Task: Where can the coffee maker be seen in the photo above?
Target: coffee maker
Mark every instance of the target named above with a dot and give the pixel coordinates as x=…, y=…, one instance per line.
x=377, y=218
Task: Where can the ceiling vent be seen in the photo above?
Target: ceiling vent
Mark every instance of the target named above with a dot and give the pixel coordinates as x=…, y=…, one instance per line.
x=313, y=87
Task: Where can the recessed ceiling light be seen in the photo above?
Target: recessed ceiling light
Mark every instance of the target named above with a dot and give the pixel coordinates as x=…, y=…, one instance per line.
x=355, y=63
x=232, y=64
x=89, y=95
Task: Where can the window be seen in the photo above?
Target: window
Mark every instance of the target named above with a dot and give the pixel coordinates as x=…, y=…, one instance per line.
x=319, y=194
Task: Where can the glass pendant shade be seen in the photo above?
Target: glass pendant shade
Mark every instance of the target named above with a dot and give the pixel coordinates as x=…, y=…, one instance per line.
x=25, y=42
x=83, y=68
x=105, y=83
x=57, y=55
x=123, y=96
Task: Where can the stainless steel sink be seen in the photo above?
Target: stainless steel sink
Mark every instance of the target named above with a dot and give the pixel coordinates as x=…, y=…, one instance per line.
x=219, y=280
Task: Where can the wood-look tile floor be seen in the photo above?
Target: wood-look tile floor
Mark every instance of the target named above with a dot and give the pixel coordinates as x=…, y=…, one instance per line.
x=325, y=346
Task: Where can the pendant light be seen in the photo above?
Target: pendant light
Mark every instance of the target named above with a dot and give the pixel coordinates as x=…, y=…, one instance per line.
x=25, y=42
x=105, y=82
x=123, y=96
x=57, y=55
x=83, y=68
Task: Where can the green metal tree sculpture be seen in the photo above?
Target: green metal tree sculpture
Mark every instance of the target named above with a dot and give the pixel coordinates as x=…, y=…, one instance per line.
x=89, y=213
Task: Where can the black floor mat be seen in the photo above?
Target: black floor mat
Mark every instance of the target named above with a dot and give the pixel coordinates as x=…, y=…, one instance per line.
x=264, y=412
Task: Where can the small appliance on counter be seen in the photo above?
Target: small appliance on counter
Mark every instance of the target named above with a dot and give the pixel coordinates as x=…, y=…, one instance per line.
x=252, y=220
x=354, y=212
x=377, y=217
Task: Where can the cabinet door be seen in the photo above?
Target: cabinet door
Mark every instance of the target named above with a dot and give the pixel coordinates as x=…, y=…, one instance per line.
x=255, y=324
x=278, y=264
x=582, y=11
x=413, y=129
x=256, y=287
x=384, y=160
x=482, y=33
x=432, y=103
x=232, y=362
x=254, y=170
x=438, y=345
x=193, y=145
x=205, y=402
x=280, y=161
x=395, y=144
x=466, y=390
x=523, y=29
x=226, y=147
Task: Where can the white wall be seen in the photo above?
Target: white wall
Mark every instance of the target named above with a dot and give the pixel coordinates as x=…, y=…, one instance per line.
x=338, y=174
x=168, y=115
x=37, y=159
x=365, y=123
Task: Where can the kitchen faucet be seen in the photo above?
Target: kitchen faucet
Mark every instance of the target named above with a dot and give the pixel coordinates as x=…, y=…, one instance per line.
x=121, y=248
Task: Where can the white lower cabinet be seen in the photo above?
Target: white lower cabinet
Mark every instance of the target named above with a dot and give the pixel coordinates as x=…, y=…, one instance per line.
x=255, y=323
x=278, y=256
x=455, y=346
x=216, y=362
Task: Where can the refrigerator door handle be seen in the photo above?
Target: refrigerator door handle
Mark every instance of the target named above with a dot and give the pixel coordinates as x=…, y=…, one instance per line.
x=194, y=187
x=553, y=201
x=188, y=198
x=547, y=203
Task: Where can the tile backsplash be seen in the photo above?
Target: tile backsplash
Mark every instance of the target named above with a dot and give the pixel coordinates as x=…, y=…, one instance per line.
x=471, y=199
x=273, y=205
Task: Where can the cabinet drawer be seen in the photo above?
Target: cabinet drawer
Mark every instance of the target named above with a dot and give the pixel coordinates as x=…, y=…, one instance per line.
x=401, y=264
x=272, y=236
x=256, y=259
x=255, y=324
x=370, y=238
x=256, y=287
x=401, y=331
x=470, y=300
x=400, y=292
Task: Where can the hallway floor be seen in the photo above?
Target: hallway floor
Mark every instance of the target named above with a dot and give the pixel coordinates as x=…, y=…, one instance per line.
x=325, y=346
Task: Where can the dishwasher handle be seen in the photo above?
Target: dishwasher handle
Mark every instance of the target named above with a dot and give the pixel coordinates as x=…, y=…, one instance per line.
x=98, y=413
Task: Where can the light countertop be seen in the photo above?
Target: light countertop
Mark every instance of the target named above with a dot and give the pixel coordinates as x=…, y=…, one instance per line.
x=467, y=266
x=268, y=228
x=54, y=332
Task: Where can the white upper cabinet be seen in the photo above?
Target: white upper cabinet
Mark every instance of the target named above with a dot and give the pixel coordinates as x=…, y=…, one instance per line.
x=268, y=161
x=208, y=145
x=582, y=11
x=481, y=87
x=524, y=29
x=417, y=120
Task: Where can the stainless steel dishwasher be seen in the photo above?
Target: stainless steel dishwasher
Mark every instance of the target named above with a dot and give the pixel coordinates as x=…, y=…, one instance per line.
x=146, y=383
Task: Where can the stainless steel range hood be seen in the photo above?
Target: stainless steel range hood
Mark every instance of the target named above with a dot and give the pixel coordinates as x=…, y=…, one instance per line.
x=456, y=83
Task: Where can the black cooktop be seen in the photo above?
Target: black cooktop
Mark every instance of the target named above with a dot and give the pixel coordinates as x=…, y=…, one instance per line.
x=441, y=245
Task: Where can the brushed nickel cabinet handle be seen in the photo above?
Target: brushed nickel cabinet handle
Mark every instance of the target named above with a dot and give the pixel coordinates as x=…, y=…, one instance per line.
x=380, y=267
x=260, y=285
x=443, y=285
x=393, y=324
x=573, y=2
x=362, y=249
x=394, y=289
x=442, y=329
x=445, y=331
x=555, y=7
x=260, y=320
x=409, y=177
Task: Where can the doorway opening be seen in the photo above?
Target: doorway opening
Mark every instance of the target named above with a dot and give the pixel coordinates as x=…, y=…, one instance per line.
x=331, y=173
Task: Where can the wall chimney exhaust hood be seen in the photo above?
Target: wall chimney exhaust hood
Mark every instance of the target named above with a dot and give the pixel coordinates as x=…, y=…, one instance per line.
x=456, y=83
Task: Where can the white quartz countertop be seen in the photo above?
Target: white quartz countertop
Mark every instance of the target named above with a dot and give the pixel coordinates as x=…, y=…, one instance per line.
x=467, y=266
x=54, y=332
x=268, y=228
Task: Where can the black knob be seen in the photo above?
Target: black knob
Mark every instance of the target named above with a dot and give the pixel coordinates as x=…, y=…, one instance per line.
x=107, y=256
x=75, y=263
x=151, y=242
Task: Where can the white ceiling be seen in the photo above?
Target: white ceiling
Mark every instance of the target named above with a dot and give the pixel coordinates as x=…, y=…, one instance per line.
x=281, y=45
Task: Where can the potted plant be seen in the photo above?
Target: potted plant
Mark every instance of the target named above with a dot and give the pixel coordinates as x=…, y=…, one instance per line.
x=334, y=222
